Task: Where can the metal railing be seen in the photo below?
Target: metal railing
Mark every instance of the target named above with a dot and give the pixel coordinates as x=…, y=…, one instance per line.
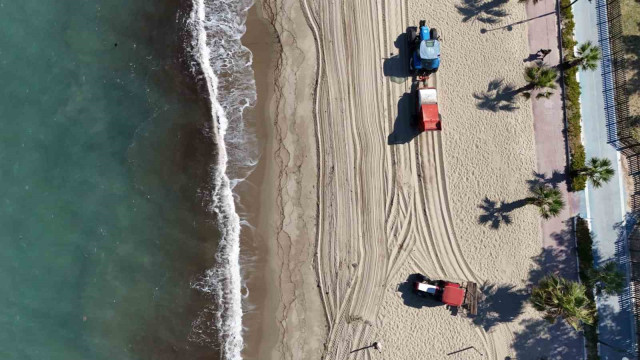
x=619, y=127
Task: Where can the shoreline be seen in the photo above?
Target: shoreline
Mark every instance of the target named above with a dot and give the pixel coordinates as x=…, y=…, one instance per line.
x=253, y=201
x=288, y=318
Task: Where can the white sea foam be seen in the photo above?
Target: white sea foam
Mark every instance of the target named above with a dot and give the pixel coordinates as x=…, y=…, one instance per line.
x=217, y=27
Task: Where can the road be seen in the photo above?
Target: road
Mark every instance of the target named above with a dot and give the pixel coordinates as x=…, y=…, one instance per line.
x=605, y=207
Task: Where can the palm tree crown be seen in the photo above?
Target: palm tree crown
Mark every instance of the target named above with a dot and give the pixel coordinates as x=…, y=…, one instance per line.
x=587, y=57
x=547, y=199
x=539, y=77
x=608, y=278
x=598, y=171
x=558, y=297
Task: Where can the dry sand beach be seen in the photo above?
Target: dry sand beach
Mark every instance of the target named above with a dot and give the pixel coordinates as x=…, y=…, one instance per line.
x=351, y=204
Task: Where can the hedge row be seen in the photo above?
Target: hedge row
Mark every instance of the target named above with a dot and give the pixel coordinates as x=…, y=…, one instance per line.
x=586, y=263
x=572, y=97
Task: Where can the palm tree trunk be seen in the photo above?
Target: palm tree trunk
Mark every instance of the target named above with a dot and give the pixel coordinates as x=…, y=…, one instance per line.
x=524, y=88
x=566, y=65
x=573, y=2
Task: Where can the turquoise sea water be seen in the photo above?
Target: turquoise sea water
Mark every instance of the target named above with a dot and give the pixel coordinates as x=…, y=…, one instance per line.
x=103, y=154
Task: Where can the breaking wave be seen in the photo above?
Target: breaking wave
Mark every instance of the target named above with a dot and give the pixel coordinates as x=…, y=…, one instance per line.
x=217, y=26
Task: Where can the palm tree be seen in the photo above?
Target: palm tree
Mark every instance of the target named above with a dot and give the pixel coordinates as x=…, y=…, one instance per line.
x=587, y=58
x=608, y=278
x=558, y=297
x=539, y=77
x=547, y=199
x=598, y=171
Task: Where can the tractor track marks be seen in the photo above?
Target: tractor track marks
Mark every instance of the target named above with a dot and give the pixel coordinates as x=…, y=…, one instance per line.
x=378, y=206
x=381, y=212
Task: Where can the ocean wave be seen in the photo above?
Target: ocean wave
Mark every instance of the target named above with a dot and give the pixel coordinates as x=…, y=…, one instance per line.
x=217, y=26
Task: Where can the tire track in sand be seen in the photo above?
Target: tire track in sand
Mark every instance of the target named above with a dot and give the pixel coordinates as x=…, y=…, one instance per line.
x=358, y=246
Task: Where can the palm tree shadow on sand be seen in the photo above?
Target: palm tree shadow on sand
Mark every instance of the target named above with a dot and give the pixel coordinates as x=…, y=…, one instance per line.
x=500, y=303
x=487, y=12
x=498, y=97
x=554, y=180
x=495, y=213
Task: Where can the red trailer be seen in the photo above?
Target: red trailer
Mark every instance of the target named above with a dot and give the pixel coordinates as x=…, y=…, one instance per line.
x=449, y=293
x=428, y=114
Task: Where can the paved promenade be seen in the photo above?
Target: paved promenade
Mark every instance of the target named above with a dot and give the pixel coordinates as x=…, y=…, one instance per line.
x=557, y=235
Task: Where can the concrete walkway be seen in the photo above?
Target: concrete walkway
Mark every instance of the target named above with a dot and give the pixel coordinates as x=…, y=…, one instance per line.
x=557, y=233
x=605, y=207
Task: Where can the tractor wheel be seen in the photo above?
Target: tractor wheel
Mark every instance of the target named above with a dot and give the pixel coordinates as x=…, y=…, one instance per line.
x=434, y=34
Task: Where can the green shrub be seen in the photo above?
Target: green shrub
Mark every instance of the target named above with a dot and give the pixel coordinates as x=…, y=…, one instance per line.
x=584, y=248
x=572, y=102
x=586, y=264
x=578, y=159
x=565, y=10
x=572, y=87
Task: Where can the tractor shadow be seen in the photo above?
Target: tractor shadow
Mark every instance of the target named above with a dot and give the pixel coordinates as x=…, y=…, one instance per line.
x=411, y=298
x=396, y=67
x=498, y=97
x=405, y=127
x=487, y=12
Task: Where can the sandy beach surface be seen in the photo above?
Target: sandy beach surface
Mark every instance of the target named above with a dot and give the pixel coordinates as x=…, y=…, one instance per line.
x=352, y=202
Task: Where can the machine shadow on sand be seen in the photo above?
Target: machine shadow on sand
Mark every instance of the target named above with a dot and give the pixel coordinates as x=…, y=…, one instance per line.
x=410, y=298
x=405, y=127
x=396, y=67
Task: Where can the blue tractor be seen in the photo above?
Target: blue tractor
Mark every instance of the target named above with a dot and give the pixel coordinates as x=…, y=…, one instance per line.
x=424, y=50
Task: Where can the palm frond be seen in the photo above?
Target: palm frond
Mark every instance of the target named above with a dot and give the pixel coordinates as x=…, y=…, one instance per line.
x=588, y=55
x=599, y=171
x=548, y=200
x=558, y=297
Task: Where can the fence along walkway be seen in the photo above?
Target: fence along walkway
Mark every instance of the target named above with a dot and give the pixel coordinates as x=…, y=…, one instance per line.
x=619, y=134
